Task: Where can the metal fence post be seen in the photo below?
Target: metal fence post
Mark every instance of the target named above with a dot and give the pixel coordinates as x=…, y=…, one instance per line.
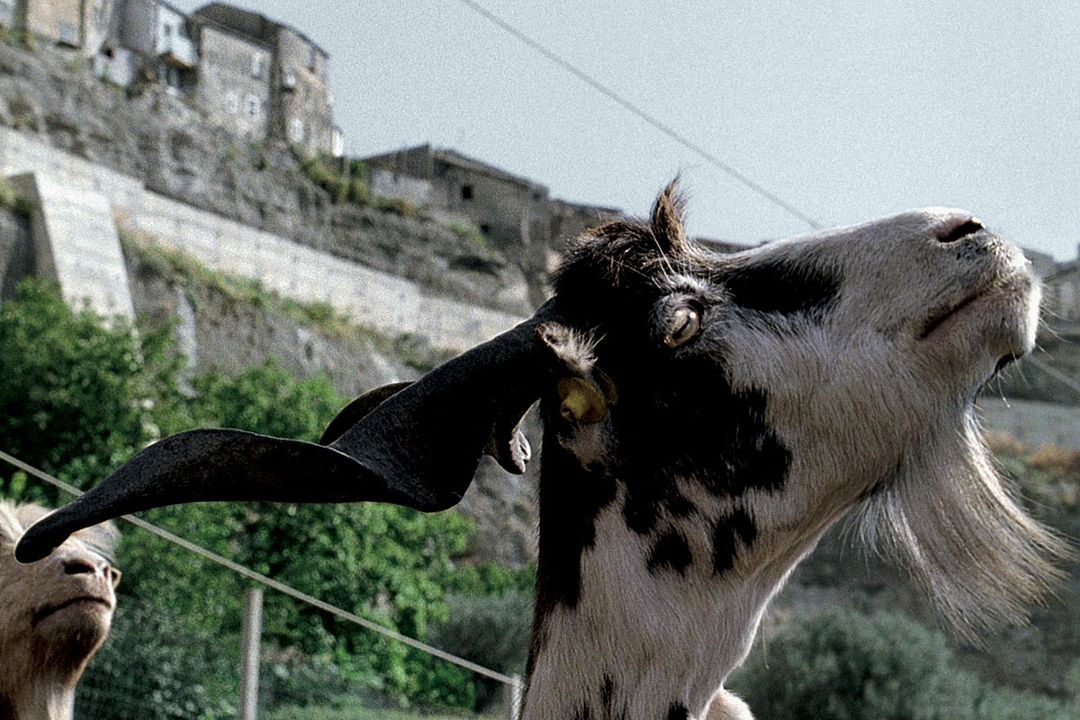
x=516, y=691
x=249, y=654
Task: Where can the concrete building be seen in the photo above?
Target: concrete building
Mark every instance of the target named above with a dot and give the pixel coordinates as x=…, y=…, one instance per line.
x=299, y=107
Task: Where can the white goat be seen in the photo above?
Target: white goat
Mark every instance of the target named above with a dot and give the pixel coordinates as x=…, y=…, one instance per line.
x=707, y=418
x=54, y=615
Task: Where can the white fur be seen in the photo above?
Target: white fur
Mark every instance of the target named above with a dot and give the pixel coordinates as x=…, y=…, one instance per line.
x=40, y=663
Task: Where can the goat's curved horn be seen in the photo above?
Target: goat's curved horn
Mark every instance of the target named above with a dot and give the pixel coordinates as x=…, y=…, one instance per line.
x=416, y=445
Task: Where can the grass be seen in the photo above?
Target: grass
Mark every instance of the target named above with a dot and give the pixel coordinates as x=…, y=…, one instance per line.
x=352, y=187
x=468, y=231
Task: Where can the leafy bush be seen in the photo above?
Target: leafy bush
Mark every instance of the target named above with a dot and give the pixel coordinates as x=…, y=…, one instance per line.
x=159, y=666
x=843, y=665
x=492, y=630
x=82, y=396
x=10, y=200
x=87, y=397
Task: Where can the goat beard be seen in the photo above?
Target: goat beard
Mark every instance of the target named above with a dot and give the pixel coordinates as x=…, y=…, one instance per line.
x=951, y=519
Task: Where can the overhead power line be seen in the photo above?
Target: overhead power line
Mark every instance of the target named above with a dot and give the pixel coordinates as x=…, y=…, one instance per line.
x=271, y=583
x=641, y=114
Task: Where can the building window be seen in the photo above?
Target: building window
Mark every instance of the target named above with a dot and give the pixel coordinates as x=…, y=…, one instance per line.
x=296, y=130
x=485, y=229
x=258, y=63
x=251, y=106
x=232, y=103
x=67, y=33
x=172, y=77
x=313, y=59
x=466, y=192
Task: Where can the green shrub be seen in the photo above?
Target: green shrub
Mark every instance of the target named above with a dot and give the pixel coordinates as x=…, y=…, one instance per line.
x=10, y=200
x=358, y=169
x=398, y=206
x=844, y=665
x=492, y=630
x=157, y=666
x=79, y=405
x=359, y=191
x=848, y=666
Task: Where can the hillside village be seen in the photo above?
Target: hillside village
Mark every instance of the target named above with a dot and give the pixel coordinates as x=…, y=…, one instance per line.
x=261, y=80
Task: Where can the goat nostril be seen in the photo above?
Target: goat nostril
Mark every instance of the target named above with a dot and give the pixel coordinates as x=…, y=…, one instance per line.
x=77, y=567
x=960, y=231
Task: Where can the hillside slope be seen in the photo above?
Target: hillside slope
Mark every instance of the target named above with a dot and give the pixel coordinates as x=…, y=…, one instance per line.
x=176, y=151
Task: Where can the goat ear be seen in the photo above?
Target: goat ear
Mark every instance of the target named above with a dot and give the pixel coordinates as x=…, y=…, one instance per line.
x=416, y=445
x=666, y=219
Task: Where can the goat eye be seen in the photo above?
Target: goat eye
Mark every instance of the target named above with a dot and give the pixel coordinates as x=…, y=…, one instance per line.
x=685, y=324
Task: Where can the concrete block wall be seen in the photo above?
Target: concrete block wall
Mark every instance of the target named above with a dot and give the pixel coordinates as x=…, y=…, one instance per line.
x=76, y=244
x=1031, y=422
x=386, y=302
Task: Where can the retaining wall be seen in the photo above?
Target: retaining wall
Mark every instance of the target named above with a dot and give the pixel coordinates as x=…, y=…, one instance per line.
x=387, y=302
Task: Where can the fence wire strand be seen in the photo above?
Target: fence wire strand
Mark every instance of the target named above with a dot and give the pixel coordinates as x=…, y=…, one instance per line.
x=273, y=584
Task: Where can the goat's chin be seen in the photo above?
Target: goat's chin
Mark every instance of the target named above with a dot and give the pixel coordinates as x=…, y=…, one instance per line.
x=72, y=635
x=949, y=517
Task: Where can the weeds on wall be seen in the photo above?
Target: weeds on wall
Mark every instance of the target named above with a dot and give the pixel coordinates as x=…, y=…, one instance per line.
x=178, y=267
x=18, y=38
x=10, y=200
x=352, y=186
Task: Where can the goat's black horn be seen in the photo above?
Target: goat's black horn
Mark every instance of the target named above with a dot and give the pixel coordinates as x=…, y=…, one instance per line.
x=416, y=445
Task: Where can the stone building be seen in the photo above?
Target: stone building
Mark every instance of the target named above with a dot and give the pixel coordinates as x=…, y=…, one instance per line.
x=259, y=78
x=299, y=106
x=514, y=213
x=234, y=80
x=81, y=24
x=510, y=210
x=150, y=39
x=1061, y=295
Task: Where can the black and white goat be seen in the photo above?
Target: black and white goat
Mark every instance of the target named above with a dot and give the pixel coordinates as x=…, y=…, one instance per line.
x=707, y=418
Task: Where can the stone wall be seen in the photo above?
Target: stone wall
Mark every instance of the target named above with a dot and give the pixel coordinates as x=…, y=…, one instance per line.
x=1033, y=423
x=378, y=299
x=76, y=244
x=16, y=251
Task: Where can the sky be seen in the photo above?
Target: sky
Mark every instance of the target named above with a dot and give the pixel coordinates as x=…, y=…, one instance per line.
x=846, y=111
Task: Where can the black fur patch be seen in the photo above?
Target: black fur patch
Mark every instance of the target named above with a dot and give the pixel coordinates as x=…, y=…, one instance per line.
x=686, y=423
x=570, y=499
x=728, y=531
x=607, y=693
x=782, y=287
x=670, y=552
x=677, y=711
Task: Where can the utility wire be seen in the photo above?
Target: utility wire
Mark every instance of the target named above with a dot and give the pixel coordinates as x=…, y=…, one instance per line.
x=1054, y=373
x=274, y=584
x=641, y=114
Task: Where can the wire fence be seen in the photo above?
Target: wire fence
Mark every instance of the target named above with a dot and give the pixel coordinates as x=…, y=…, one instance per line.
x=158, y=665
